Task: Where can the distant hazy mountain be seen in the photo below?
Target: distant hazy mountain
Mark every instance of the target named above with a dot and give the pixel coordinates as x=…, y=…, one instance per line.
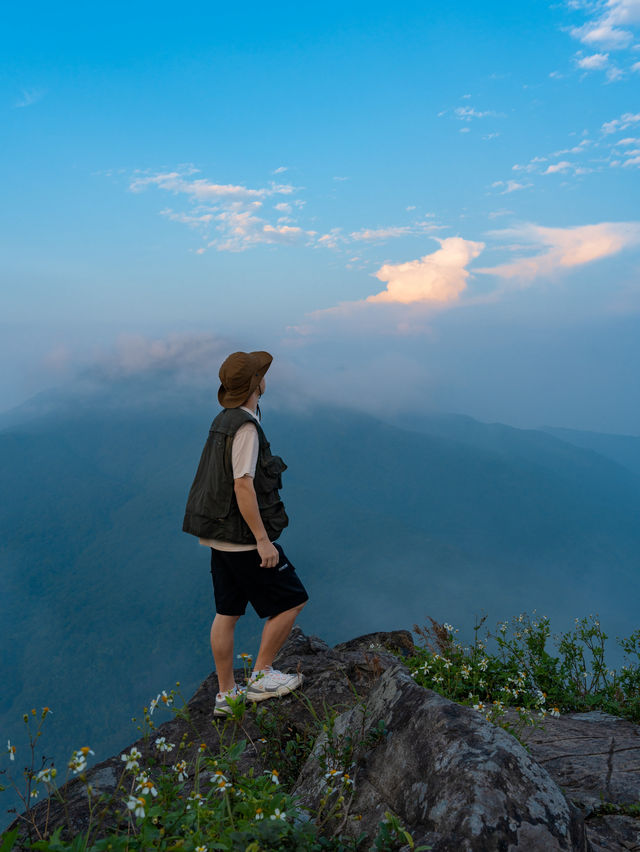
x=623, y=449
x=106, y=602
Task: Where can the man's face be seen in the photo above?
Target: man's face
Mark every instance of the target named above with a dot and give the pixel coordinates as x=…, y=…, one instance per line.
x=262, y=385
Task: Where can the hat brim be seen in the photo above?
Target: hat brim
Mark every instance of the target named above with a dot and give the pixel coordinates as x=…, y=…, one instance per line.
x=260, y=363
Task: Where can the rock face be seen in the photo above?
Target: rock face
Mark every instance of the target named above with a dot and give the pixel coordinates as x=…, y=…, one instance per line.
x=454, y=780
x=594, y=757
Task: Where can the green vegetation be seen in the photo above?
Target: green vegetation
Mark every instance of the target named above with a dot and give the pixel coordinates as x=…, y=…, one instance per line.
x=194, y=798
x=188, y=798
x=518, y=668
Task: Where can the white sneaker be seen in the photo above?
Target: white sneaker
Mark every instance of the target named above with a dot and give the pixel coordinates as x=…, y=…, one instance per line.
x=270, y=683
x=223, y=707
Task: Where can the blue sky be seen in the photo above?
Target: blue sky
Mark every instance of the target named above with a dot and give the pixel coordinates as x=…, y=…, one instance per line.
x=439, y=199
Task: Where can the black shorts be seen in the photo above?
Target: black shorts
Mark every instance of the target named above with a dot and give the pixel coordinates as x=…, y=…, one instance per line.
x=238, y=580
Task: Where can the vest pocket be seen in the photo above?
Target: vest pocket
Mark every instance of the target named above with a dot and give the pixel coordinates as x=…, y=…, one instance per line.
x=269, y=473
x=274, y=518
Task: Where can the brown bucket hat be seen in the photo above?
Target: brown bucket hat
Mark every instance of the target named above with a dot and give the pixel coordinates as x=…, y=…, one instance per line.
x=240, y=374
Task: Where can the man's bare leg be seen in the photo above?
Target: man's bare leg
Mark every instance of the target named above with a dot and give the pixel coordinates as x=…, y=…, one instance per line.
x=274, y=635
x=222, y=648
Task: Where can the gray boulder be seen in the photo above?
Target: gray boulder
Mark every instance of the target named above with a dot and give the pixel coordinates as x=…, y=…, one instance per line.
x=595, y=759
x=456, y=781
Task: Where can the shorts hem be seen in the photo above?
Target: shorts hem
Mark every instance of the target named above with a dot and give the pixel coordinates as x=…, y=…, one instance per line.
x=289, y=605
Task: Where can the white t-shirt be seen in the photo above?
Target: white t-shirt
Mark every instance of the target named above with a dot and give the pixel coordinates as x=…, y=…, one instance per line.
x=244, y=457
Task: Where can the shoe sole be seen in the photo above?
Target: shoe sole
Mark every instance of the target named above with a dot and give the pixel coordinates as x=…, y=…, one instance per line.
x=278, y=693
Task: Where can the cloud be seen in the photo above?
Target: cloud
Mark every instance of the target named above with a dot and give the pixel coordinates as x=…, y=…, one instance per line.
x=542, y=166
x=335, y=238
x=380, y=234
x=203, y=190
x=280, y=170
x=614, y=73
x=606, y=27
x=635, y=66
x=627, y=119
x=57, y=359
x=194, y=221
x=465, y=113
x=595, y=62
x=229, y=210
x=623, y=12
x=243, y=230
x=532, y=166
x=510, y=186
x=30, y=97
x=191, y=354
x=557, y=167
x=240, y=229
x=332, y=239
x=564, y=248
x=603, y=35
x=438, y=277
x=576, y=149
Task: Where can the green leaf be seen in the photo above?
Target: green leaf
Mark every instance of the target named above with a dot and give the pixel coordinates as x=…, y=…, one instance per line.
x=236, y=751
x=8, y=840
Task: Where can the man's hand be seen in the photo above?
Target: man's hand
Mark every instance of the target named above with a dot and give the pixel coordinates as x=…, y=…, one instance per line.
x=248, y=505
x=268, y=554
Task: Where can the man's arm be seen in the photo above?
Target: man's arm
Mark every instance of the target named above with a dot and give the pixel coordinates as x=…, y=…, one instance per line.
x=248, y=505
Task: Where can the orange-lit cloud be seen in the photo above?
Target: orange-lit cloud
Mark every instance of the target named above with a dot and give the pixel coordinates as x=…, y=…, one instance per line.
x=563, y=248
x=438, y=277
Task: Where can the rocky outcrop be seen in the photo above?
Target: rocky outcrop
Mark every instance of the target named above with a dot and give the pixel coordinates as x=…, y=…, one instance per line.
x=595, y=759
x=454, y=780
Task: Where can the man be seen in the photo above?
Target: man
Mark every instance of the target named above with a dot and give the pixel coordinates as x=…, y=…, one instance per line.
x=234, y=508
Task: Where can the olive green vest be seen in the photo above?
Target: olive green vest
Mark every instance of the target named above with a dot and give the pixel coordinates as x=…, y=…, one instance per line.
x=212, y=509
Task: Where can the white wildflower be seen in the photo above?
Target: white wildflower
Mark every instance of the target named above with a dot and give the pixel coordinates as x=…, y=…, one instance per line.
x=146, y=787
x=131, y=759
x=180, y=769
x=195, y=797
x=47, y=775
x=273, y=775
x=78, y=762
x=332, y=774
x=218, y=777
x=137, y=805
